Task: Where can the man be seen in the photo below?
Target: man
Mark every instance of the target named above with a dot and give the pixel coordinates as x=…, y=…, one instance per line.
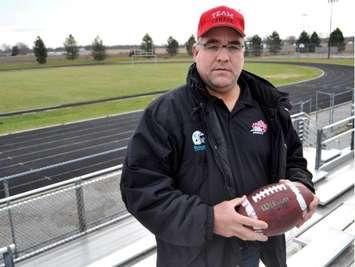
x=200, y=148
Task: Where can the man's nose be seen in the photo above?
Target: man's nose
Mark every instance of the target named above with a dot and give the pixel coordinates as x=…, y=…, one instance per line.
x=223, y=54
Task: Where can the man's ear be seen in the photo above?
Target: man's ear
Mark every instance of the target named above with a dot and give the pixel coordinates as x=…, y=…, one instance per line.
x=195, y=52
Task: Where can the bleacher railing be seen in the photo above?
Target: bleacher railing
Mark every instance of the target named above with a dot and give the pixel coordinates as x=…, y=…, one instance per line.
x=336, y=136
x=43, y=218
x=302, y=124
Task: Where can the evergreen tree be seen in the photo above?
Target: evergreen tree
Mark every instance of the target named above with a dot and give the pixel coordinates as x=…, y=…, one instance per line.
x=189, y=44
x=40, y=51
x=303, y=42
x=14, y=50
x=274, y=43
x=98, y=51
x=256, y=46
x=314, y=42
x=337, y=39
x=172, y=47
x=147, y=44
x=71, y=48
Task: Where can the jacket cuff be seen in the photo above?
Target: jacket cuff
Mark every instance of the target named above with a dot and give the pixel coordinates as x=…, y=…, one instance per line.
x=304, y=180
x=210, y=223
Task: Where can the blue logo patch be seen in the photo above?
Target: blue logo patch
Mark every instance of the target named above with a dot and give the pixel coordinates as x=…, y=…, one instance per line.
x=198, y=138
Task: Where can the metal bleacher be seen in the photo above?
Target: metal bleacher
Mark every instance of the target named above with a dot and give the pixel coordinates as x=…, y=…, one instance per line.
x=327, y=239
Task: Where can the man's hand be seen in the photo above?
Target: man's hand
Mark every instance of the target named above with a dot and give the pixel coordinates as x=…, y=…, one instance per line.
x=311, y=209
x=228, y=222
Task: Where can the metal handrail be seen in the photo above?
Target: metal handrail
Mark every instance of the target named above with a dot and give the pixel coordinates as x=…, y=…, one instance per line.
x=300, y=114
x=337, y=136
x=321, y=142
x=338, y=122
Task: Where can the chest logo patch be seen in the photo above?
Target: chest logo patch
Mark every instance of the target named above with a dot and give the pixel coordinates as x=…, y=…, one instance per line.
x=259, y=127
x=199, y=140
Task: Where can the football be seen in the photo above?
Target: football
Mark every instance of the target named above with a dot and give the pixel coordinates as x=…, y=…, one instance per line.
x=280, y=205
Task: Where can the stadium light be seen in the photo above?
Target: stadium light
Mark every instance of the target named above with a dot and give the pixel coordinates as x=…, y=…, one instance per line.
x=330, y=24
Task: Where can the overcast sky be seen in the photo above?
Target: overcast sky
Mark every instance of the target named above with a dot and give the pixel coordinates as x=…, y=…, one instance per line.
x=126, y=22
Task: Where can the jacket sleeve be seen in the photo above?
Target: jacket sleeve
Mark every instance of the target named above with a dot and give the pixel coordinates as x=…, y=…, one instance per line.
x=149, y=190
x=296, y=165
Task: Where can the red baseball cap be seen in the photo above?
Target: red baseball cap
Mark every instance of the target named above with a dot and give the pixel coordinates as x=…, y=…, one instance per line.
x=218, y=17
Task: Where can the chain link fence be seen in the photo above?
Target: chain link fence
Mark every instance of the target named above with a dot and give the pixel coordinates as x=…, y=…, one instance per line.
x=36, y=221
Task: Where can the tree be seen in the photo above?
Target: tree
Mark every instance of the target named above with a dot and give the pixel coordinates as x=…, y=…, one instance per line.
x=189, y=44
x=23, y=49
x=40, y=51
x=314, y=42
x=274, y=43
x=303, y=42
x=172, y=47
x=6, y=49
x=256, y=45
x=14, y=51
x=71, y=48
x=147, y=44
x=98, y=51
x=337, y=39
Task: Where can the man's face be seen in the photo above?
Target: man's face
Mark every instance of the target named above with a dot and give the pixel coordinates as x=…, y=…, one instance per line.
x=219, y=57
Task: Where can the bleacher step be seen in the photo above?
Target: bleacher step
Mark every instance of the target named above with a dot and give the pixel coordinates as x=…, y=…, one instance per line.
x=337, y=183
x=127, y=253
x=322, y=250
x=338, y=220
x=351, y=229
x=150, y=261
x=296, y=231
x=318, y=175
x=330, y=154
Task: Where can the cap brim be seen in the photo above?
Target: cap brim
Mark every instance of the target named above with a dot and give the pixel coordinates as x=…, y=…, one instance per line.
x=222, y=25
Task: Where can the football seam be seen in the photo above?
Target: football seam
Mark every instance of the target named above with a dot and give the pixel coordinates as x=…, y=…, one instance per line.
x=300, y=199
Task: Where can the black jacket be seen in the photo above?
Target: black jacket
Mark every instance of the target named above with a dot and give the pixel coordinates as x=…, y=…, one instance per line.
x=171, y=188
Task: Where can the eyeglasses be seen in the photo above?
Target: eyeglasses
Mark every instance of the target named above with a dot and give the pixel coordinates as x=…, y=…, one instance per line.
x=215, y=47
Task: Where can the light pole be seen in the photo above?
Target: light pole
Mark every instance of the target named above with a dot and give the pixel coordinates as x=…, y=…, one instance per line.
x=330, y=24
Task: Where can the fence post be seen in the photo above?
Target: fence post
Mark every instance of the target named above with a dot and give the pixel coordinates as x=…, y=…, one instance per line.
x=12, y=229
x=8, y=255
x=332, y=106
x=319, y=149
x=80, y=207
x=353, y=127
x=316, y=108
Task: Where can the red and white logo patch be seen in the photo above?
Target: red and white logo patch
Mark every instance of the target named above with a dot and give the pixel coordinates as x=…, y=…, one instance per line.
x=259, y=127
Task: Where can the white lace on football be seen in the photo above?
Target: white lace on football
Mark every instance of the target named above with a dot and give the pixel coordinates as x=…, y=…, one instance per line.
x=268, y=191
x=249, y=209
x=299, y=196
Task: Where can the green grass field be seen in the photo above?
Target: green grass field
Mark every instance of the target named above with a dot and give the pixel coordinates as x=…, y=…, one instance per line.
x=28, y=89
x=25, y=89
x=65, y=115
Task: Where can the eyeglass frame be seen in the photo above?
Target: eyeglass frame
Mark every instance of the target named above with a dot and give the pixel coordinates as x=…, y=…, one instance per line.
x=218, y=46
